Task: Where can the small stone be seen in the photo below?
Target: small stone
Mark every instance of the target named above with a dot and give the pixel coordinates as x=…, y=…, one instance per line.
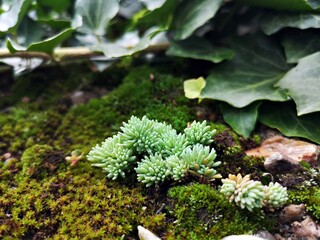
x=242, y=237
x=280, y=164
x=293, y=149
x=145, y=234
x=265, y=235
x=306, y=229
x=292, y=212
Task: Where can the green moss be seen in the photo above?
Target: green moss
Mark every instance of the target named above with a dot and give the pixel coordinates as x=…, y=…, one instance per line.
x=73, y=205
x=39, y=161
x=202, y=212
x=310, y=196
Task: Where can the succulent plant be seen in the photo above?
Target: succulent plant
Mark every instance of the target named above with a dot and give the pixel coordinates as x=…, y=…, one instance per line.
x=152, y=169
x=177, y=167
x=246, y=193
x=112, y=156
x=140, y=135
x=251, y=194
x=171, y=143
x=197, y=132
x=199, y=160
x=275, y=195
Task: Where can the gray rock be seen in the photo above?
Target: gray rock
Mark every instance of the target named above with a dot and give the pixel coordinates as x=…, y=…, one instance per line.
x=277, y=163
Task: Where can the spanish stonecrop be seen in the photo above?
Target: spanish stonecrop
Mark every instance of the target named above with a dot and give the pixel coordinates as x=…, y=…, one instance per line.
x=112, y=157
x=251, y=194
x=152, y=170
x=140, y=135
x=199, y=133
x=275, y=195
x=165, y=153
x=199, y=160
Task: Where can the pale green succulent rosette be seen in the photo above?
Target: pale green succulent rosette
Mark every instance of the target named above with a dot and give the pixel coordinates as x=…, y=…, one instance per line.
x=152, y=170
x=275, y=195
x=199, y=160
x=250, y=195
x=171, y=143
x=177, y=167
x=140, y=135
x=198, y=132
x=112, y=156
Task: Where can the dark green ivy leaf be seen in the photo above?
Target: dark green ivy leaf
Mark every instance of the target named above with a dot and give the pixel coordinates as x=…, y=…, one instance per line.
x=199, y=48
x=46, y=45
x=258, y=65
x=302, y=83
x=274, y=21
x=298, y=44
x=95, y=15
x=242, y=120
x=10, y=20
x=283, y=117
x=191, y=15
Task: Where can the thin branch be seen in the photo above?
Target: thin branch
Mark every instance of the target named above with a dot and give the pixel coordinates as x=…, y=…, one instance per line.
x=60, y=54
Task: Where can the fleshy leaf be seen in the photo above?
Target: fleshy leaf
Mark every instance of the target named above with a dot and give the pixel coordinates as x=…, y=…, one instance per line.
x=250, y=76
x=275, y=21
x=242, y=120
x=95, y=15
x=191, y=15
x=152, y=4
x=199, y=48
x=298, y=44
x=283, y=117
x=46, y=45
x=193, y=87
x=302, y=83
x=10, y=20
x=313, y=3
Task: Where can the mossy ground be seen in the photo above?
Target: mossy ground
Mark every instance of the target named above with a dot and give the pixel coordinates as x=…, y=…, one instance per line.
x=42, y=196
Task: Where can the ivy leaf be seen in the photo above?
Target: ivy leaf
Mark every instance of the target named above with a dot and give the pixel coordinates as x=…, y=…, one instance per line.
x=275, y=21
x=242, y=120
x=251, y=75
x=57, y=5
x=199, y=48
x=302, y=83
x=46, y=45
x=115, y=50
x=313, y=3
x=191, y=15
x=283, y=117
x=192, y=87
x=95, y=15
x=10, y=20
x=298, y=44
x=292, y=5
x=152, y=4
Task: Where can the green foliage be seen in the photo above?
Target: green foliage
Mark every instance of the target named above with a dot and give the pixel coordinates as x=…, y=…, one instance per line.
x=157, y=143
x=251, y=194
x=39, y=161
x=152, y=170
x=201, y=212
x=310, y=196
x=198, y=132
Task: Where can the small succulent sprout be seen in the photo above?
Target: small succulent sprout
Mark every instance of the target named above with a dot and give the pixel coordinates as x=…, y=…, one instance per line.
x=244, y=192
x=112, y=156
x=177, y=167
x=199, y=160
x=171, y=143
x=152, y=170
x=74, y=158
x=140, y=135
x=197, y=132
x=275, y=195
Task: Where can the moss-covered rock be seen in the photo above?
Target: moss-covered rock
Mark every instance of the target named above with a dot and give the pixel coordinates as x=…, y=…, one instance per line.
x=201, y=212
